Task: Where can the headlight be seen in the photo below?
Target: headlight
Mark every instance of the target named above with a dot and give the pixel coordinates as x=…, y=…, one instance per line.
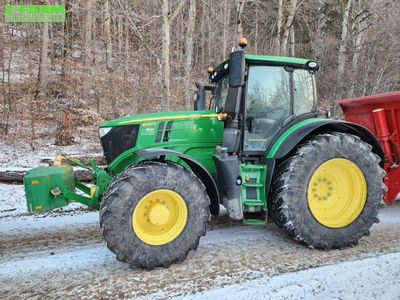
x=103, y=131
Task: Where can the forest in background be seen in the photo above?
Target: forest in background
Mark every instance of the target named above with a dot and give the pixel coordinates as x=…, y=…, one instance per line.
x=123, y=57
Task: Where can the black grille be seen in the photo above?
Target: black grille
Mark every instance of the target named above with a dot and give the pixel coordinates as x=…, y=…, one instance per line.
x=167, y=131
x=118, y=140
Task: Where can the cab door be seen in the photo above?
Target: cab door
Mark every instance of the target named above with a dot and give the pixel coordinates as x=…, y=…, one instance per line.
x=274, y=93
x=267, y=105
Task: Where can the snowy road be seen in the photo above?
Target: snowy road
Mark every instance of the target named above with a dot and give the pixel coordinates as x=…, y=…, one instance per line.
x=63, y=255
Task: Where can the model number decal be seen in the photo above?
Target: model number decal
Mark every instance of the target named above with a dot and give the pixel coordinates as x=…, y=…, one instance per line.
x=148, y=124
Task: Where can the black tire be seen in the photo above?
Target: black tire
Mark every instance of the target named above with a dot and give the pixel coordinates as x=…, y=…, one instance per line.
x=125, y=192
x=289, y=207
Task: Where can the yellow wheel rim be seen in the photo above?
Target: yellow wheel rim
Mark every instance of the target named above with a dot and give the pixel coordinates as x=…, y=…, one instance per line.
x=337, y=193
x=159, y=217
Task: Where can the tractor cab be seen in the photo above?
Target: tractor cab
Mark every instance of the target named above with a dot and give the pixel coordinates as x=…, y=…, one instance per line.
x=258, y=95
x=258, y=98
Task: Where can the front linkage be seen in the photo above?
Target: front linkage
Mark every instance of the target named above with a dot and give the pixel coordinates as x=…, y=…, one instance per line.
x=51, y=187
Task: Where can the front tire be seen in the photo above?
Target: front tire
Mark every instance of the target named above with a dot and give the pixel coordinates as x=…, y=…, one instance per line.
x=154, y=213
x=328, y=193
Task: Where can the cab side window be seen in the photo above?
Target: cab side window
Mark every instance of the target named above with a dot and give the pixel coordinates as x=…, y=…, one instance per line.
x=303, y=91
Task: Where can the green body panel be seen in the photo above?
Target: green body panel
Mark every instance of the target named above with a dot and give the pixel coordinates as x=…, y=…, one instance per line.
x=157, y=117
x=254, y=222
x=194, y=133
x=40, y=181
x=256, y=183
x=252, y=190
x=287, y=133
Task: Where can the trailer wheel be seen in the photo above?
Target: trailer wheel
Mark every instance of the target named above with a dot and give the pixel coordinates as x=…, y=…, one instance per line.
x=154, y=214
x=328, y=193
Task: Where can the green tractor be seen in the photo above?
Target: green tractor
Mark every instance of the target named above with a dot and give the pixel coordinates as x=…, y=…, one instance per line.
x=259, y=150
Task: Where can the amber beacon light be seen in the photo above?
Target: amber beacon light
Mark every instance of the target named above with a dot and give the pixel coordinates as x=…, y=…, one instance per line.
x=243, y=42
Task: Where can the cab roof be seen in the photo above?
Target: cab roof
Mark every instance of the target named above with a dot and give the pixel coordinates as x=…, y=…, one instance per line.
x=295, y=62
x=279, y=59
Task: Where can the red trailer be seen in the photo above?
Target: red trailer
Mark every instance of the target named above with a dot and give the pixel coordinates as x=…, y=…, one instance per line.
x=381, y=115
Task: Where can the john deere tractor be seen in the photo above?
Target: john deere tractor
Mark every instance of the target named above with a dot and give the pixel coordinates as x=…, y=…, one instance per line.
x=259, y=150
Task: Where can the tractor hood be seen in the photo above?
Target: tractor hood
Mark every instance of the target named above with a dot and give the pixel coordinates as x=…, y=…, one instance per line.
x=177, y=131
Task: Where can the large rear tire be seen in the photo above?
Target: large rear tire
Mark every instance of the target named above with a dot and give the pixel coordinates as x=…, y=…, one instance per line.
x=327, y=194
x=153, y=214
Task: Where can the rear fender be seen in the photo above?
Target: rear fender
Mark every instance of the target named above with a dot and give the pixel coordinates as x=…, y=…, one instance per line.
x=293, y=138
x=289, y=139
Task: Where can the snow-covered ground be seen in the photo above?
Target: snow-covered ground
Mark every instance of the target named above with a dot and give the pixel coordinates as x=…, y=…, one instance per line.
x=14, y=215
x=21, y=157
x=370, y=278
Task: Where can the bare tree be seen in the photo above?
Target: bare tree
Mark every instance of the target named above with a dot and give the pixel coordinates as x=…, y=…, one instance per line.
x=165, y=102
x=203, y=34
x=107, y=25
x=88, y=57
x=225, y=27
x=189, y=53
x=44, y=64
x=66, y=38
x=292, y=42
x=165, y=71
x=359, y=27
x=256, y=27
x=1, y=46
x=343, y=40
x=120, y=36
x=63, y=136
x=239, y=18
x=279, y=22
x=210, y=32
x=288, y=26
x=4, y=124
